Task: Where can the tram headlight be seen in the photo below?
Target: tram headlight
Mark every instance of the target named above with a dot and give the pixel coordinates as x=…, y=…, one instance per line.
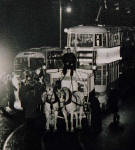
x=65, y=30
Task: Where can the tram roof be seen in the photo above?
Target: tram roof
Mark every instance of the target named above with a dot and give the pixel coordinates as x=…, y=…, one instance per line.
x=87, y=29
x=30, y=54
x=46, y=48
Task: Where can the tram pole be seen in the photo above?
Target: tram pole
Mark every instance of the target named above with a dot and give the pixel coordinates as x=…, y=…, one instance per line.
x=60, y=23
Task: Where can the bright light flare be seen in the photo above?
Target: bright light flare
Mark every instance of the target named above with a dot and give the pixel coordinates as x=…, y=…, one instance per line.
x=5, y=59
x=68, y=9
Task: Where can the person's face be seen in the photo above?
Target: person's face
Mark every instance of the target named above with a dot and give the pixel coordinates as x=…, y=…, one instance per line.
x=68, y=50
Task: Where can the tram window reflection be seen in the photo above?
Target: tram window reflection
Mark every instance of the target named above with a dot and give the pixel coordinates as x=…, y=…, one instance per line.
x=21, y=63
x=54, y=60
x=72, y=39
x=85, y=40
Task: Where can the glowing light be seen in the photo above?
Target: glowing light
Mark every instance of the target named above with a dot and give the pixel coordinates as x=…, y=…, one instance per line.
x=5, y=59
x=65, y=30
x=68, y=9
x=128, y=12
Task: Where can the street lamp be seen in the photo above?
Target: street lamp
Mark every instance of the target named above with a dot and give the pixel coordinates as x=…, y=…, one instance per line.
x=60, y=21
x=68, y=10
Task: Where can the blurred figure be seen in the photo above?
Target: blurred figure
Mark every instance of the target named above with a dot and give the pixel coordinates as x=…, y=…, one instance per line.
x=42, y=70
x=40, y=75
x=30, y=100
x=113, y=104
x=11, y=88
x=96, y=119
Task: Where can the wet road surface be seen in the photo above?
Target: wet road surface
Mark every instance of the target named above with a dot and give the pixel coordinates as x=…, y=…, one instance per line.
x=119, y=137
x=7, y=125
x=112, y=137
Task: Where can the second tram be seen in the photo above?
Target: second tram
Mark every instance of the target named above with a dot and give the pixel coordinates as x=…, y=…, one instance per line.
x=25, y=61
x=28, y=60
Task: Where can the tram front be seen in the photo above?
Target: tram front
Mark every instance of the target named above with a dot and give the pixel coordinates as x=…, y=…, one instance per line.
x=25, y=62
x=97, y=49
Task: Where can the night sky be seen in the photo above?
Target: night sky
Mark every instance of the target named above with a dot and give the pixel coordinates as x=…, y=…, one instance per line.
x=34, y=23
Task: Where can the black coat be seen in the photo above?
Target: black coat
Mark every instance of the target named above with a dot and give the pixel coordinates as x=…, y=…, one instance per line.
x=113, y=101
x=69, y=60
x=95, y=106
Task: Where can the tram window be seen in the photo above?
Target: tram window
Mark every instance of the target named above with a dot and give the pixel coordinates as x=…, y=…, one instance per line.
x=116, y=39
x=18, y=61
x=98, y=76
x=36, y=62
x=104, y=69
x=18, y=67
x=85, y=40
x=55, y=60
x=104, y=80
x=72, y=39
x=98, y=39
x=104, y=40
x=98, y=73
x=104, y=75
x=98, y=67
x=21, y=62
x=98, y=81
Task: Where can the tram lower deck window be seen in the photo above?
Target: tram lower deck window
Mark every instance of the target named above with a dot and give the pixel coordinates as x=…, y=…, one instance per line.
x=36, y=62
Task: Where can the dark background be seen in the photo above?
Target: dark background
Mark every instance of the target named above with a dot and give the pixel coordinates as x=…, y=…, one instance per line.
x=34, y=23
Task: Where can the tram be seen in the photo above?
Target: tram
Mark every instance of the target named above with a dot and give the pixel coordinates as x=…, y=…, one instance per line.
x=28, y=60
x=32, y=60
x=24, y=61
x=97, y=48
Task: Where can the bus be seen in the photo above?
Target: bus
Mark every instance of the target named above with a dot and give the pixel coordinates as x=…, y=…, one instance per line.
x=32, y=60
x=28, y=61
x=24, y=61
x=97, y=48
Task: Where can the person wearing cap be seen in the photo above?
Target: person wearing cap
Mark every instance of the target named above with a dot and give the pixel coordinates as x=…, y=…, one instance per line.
x=69, y=61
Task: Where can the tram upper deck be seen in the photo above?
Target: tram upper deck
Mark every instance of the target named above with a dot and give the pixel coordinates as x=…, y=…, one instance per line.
x=93, y=36
x=97, y=48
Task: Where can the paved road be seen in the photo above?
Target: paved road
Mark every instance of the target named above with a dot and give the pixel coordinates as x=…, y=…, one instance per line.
x=7, y=122
x=7, y=125
x=121, y=137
